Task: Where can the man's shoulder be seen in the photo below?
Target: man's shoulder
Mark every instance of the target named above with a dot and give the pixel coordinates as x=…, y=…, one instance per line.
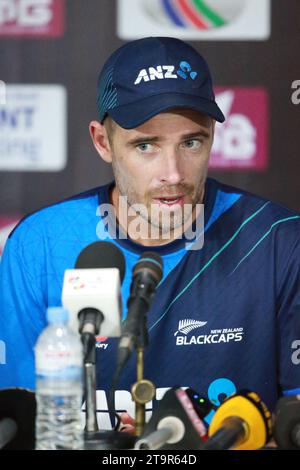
x=270, y=206
x=264, y=214
x=78, y=208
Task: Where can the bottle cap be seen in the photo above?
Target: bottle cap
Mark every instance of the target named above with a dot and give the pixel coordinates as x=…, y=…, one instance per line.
x=57, y=315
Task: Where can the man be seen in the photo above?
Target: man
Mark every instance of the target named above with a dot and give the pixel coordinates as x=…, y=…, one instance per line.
x=224, y=317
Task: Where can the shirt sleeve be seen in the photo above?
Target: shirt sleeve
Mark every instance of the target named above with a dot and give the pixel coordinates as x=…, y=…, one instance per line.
x=22, y=309
x=289, y=325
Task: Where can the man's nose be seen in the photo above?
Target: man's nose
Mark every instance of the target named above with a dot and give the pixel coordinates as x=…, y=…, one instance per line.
x=171, y=171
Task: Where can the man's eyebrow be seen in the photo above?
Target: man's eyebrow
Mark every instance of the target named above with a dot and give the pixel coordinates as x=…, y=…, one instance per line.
x=143, y=140
x=150, y=139
x=193, y=135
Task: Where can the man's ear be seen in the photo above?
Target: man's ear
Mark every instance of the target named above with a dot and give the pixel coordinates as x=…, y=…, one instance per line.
x=100, y=140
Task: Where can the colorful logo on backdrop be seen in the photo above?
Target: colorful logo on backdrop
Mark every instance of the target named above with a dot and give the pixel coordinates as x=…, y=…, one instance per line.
x=195, y=19
x=198, y=14
x=32, y=18
x=7, y=224
x=241, y=142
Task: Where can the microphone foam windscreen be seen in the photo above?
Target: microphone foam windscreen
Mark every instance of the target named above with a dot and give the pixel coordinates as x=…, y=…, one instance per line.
x=99, y=255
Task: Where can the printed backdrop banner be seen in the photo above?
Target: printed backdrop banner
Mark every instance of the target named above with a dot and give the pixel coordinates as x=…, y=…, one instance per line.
x=195, y=19
x=242, y=141
x=33, y=128
x=51, y=52
x=7, y=224
x=35, y=18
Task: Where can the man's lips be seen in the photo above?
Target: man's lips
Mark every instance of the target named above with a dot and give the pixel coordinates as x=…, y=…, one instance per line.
x=177, y=196
x=170, y=200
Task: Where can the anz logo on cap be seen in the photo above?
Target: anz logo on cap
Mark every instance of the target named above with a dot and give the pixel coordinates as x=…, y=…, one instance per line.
x=186, y=71
x=166, y=71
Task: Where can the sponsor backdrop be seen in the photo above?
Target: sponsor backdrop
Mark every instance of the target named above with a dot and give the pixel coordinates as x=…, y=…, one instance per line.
x=195, y=19
x=50, y=55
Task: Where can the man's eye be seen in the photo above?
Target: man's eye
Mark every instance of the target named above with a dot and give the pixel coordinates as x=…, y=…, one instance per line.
x=193, y=144
x=145, y=147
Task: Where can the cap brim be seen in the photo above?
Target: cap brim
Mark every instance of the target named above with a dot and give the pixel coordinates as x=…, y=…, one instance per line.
x=134, y=114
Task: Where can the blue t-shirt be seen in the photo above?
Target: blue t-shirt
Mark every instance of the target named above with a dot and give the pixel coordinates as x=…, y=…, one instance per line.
x=225, y=317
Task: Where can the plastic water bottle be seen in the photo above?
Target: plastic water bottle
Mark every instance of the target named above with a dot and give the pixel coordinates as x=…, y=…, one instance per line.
x=59, y=385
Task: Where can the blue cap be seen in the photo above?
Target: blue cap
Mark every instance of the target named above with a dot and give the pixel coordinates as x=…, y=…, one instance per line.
x=57, y=315
x=151, y=75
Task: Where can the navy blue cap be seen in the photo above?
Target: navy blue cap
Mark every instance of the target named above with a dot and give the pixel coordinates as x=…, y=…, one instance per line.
x=151, y=75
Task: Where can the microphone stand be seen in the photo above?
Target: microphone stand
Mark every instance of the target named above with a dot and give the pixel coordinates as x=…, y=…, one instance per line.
x=89, y=326
x=90, y=320
x=143, y=390
x=94, y=439
x=90, y=388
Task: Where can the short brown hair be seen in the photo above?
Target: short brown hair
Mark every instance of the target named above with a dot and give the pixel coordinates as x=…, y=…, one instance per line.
x=110, y=127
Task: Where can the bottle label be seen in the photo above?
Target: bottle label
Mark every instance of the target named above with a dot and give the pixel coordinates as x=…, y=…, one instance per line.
x=73, y=373
x=58, y=365
x=52, y=360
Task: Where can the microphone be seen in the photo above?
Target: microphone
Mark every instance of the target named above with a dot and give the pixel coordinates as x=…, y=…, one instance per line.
x=242, y=422
x=287, y=422
x=17, y=419
x=91, y=291
x=177, y=422
x=8, y=431
x=147, y=274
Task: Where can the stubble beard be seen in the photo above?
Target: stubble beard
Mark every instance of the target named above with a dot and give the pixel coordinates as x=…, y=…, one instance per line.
x=163, y=220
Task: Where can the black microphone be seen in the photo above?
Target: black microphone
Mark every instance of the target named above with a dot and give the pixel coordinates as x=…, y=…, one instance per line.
x=17, y=419
x=287, y=422
x=242, y=422
x=98, y=255
x=147, y=273
x=8, y=431
x=91, y=293
x=177, y=422
x=101, y=255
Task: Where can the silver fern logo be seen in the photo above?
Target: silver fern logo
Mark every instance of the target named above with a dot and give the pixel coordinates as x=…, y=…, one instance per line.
x=187, y=325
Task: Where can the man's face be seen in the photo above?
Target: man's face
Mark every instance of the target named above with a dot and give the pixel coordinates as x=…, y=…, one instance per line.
x=162, y=165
